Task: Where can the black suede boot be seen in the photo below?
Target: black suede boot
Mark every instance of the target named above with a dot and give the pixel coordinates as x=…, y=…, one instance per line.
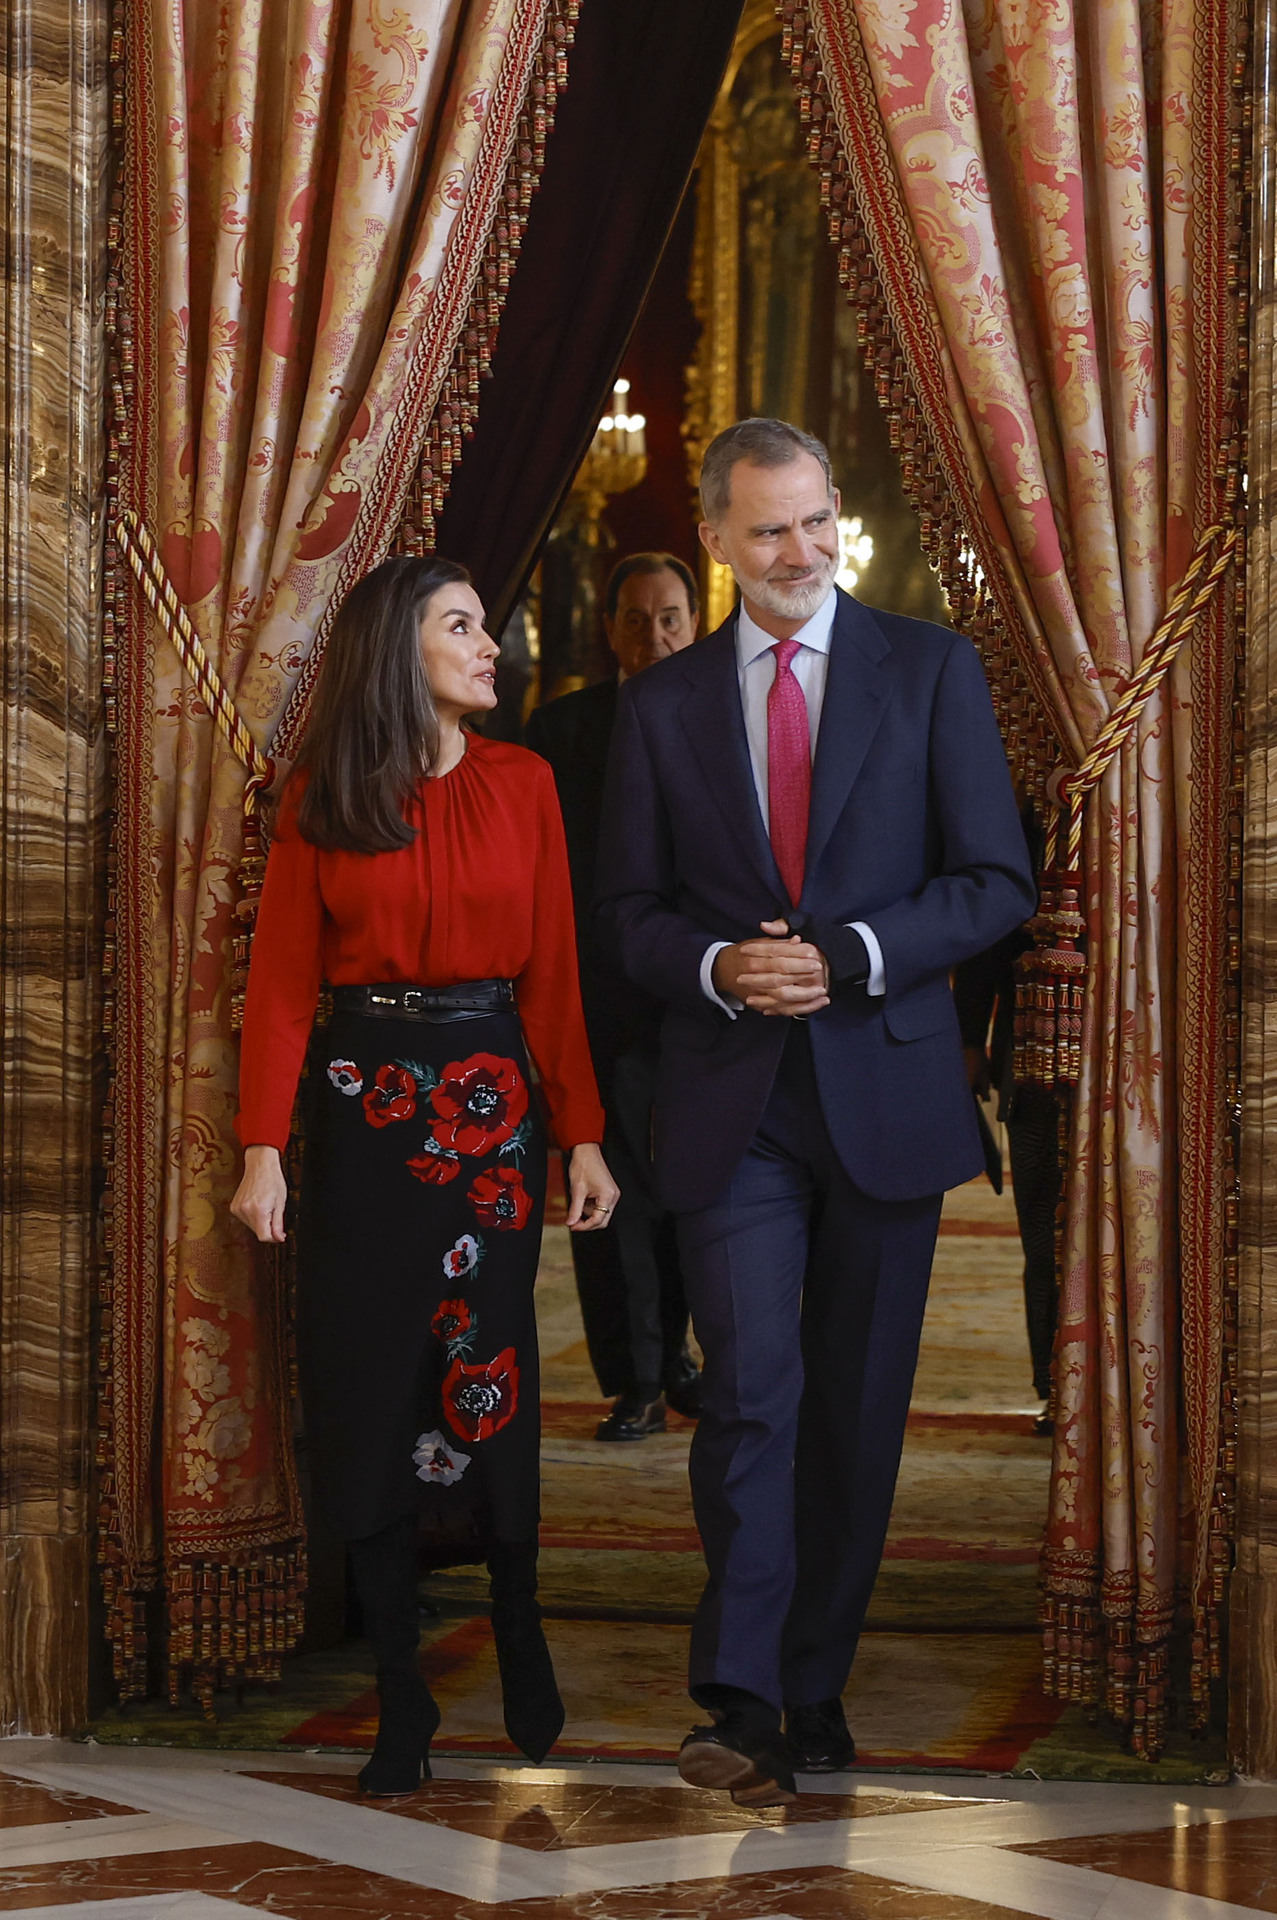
x=529, y=1692
x=385, y=1569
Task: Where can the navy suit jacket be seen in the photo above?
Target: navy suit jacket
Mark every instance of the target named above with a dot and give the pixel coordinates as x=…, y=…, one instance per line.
x=913, y=829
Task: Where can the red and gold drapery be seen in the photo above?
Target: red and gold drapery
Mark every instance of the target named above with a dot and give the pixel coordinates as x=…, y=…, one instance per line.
x=1038, y=211
x=316, y=220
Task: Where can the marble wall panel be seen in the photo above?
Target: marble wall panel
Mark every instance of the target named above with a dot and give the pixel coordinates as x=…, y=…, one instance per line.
x=1253, y=1717
x=53, y=160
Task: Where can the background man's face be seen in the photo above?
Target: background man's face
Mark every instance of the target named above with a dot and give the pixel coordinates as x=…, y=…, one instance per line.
x=652, y=619
x=779, y=535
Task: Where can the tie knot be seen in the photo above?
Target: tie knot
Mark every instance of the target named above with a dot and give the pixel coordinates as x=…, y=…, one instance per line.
x=784, y=651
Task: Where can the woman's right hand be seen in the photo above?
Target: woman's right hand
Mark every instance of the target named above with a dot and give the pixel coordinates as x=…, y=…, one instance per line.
x=262, y=1194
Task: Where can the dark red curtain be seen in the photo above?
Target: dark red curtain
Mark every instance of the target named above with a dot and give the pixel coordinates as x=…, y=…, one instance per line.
x=644, y=76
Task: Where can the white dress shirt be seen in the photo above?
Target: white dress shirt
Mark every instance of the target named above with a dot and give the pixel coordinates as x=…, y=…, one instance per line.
x=755, y=672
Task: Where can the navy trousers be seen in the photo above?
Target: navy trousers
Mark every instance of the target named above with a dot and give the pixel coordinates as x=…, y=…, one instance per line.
x=807, y=1298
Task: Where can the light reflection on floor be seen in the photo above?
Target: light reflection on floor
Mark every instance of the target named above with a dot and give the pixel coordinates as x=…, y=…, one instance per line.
x=93, y=1833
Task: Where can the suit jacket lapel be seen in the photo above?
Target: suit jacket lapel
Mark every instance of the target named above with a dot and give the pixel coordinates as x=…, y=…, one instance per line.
x=713, y=723
x=856, y=692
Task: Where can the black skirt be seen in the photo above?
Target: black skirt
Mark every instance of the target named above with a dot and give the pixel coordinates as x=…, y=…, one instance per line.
x=419, y=1233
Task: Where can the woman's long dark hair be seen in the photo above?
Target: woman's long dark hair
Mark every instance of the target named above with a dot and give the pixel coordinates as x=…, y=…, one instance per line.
x=373, y=730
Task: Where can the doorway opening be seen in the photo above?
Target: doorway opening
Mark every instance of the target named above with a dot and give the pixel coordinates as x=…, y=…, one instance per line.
x=745, y=315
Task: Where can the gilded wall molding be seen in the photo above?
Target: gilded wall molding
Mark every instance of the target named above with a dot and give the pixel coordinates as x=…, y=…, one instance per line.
x=53, y=167
x=713, y=378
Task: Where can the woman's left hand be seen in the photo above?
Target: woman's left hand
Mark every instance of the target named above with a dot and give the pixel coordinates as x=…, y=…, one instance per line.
x=592, y=1192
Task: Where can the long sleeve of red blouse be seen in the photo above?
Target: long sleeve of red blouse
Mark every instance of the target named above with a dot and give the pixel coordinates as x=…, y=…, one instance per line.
x=481, y=893
x=553, y=1024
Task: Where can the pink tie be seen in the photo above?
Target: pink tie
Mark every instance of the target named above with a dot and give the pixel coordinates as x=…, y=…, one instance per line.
x=788, y=770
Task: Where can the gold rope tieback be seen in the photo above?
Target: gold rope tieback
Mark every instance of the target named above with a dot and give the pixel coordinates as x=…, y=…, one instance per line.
x=143, y=556
x=1052, y=974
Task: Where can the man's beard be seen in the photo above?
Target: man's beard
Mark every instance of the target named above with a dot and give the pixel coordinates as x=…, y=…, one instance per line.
x=794, y=599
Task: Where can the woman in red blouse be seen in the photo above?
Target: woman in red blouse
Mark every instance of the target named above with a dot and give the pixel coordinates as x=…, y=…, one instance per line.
x=419, y=872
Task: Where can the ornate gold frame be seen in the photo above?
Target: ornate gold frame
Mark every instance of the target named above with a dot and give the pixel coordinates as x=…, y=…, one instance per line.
x=714, y=288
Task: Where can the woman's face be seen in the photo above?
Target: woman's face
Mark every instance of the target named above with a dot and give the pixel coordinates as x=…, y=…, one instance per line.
x=459, y=656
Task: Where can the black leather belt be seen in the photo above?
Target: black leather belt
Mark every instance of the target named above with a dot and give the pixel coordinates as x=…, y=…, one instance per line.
x=398, y=1002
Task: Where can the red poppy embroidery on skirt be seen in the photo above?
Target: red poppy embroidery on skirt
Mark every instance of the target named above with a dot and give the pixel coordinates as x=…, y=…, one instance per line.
x=393, y=1097
x=346, y=1077
x=478, y=1104
x=500, y=1199
x=433, y=1166
x=456, y=1326
x=479, y=1401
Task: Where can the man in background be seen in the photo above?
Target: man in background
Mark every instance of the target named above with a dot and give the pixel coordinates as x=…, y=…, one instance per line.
x=629, y=1284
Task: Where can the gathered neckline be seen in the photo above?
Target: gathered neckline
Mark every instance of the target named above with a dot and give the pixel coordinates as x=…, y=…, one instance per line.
x=433, y=779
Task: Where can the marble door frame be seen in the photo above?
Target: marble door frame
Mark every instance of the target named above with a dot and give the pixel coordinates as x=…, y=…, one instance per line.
x=1253, y=1607
x=53, y=180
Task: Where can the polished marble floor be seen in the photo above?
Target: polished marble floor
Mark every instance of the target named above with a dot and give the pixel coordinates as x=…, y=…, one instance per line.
x=104, y=1833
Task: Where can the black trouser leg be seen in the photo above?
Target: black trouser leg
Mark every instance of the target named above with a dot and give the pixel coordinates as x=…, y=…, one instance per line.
x=1033, y=1138
x=600, y=1289
x=385, y=1570
x=637, y=1221
x=675, y=1318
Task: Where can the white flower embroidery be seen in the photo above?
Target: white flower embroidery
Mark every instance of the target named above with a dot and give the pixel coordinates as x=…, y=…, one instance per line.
x=438, y=1462
x=345, y=1076
x=463, y=1258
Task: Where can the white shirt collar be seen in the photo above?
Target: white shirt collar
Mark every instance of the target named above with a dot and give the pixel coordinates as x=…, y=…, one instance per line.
x=751, y=641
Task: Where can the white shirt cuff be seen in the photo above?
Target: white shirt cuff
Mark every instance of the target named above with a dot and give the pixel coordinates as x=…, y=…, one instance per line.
x=727, y=1001
x=876, y=984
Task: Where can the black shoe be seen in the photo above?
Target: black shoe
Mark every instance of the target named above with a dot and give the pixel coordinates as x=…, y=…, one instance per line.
x=817, y=1738
x=533, y=1707
x=407, y=1723
x=1043, y=1425
x=738, y=1759
x=683, y=1389
x=633, y=1418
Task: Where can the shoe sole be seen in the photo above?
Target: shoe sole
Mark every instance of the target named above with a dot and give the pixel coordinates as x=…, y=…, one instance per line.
x=395, y=1793
x=768, y=1793
x=706, y=1764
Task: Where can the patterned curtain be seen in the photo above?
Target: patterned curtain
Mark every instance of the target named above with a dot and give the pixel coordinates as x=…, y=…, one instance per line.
x=1039, y=223
x=316, y=220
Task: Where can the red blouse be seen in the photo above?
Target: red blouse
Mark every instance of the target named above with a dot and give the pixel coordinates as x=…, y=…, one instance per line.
x=481, y=893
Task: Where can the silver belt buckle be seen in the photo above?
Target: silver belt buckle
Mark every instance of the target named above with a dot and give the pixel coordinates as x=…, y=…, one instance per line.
x=411, y=1000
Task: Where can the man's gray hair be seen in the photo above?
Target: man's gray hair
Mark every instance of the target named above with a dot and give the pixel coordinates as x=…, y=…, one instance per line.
x=764, y=443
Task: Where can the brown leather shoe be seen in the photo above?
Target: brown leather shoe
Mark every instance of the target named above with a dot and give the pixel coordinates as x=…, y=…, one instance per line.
x=756, y=1772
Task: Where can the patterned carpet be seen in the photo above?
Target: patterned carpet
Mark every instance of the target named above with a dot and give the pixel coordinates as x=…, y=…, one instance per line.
x=948, y=1673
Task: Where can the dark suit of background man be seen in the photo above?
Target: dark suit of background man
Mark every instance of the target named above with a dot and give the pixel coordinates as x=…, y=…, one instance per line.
x=631, y=1291
x=984, y=993
x=808, y=822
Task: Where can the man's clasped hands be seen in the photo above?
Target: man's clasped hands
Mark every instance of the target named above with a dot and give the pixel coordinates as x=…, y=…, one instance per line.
x=781, y=974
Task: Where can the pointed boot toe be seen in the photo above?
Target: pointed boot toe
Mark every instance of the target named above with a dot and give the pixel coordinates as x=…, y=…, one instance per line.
x=534, y=1711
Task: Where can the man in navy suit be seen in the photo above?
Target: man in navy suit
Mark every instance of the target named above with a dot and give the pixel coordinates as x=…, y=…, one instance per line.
x=808, y=823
